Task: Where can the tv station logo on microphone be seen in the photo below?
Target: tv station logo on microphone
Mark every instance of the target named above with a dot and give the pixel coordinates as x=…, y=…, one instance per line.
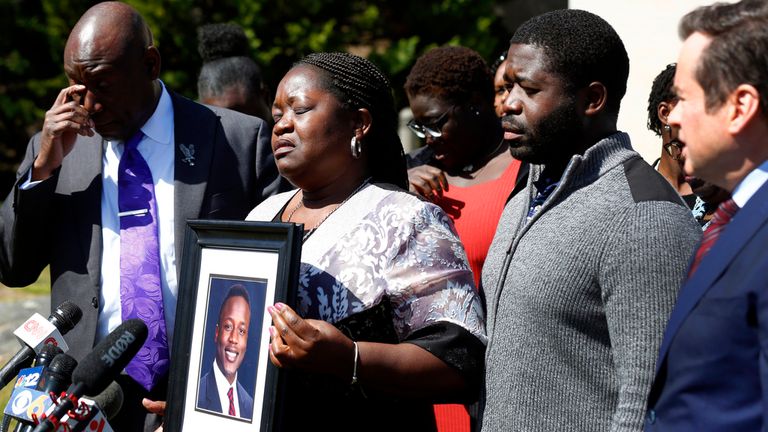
x=25, y=402
x=114, y=352
x=28, y=377
x=38, y=331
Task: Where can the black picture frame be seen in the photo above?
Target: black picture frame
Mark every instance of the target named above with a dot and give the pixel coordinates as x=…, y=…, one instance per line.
x=258, y=256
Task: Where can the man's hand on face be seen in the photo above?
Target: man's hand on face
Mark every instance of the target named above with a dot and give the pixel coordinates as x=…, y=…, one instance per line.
x=66, y=119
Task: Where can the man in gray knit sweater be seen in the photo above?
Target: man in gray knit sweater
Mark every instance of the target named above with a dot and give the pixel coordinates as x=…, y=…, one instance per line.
x=587, y=260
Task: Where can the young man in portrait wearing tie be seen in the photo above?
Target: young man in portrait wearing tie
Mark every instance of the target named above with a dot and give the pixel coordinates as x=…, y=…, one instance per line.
x=219, y=389
x=711, y=373
x=105, y=190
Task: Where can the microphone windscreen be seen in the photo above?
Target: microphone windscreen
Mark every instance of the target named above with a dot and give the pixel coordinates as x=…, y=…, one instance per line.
x=66, y=316
x=63, y=364
x=110, y=356
x=46, y=354
x=110, y=400
x=58, y=375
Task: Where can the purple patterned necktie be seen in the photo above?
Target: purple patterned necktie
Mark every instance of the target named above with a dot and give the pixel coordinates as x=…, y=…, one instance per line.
x=140, y=290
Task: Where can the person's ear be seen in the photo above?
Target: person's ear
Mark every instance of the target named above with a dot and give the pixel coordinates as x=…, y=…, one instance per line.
x=595, y=98
x=743, y=107
x=216, y=334
x=662, y=112
x=152, y=62
x=363, y=121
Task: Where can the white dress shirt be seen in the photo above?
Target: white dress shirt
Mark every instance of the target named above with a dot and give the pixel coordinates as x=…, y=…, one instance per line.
x=157, y=148
x=223, y=386
x=751, y=183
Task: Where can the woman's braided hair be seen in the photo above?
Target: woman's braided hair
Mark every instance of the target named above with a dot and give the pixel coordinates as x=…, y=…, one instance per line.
x=358, y=83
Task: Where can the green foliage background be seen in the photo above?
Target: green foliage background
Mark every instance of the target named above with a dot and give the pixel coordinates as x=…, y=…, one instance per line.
x=390, y=33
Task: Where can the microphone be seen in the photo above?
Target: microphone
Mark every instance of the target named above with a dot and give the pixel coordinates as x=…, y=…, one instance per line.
x=46, y=354
x=63, y=319
x=20, y=406
x=58, y=375
x=99, y=368
x=56, y=378
x=102, y=408
x=110, y=400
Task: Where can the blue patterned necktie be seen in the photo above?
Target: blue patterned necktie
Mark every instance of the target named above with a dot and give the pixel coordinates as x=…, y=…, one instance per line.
x=140, y=290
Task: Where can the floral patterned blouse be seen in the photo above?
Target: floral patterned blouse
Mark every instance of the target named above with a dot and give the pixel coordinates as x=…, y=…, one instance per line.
x=387, y=267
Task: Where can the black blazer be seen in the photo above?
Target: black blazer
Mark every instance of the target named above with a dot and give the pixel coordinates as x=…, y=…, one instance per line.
x=58, y=222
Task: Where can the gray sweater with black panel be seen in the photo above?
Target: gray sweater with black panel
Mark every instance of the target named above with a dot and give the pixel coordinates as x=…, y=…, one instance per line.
x=578, y=297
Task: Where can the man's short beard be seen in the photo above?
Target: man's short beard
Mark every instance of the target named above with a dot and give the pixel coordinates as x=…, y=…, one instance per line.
x=552, y=139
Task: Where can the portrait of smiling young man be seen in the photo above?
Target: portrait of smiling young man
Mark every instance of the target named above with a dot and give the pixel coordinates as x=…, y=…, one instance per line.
x=587, y=259
x=219, y=389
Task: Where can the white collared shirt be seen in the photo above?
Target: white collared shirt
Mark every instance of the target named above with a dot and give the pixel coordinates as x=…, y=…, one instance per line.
x=750, y=184
x=157, y=148
x=223, y=386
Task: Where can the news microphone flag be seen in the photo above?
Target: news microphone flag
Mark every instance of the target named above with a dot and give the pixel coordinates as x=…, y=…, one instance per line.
x=26, y=402
x=38, y=331
x=29, y=377
x=64, y=318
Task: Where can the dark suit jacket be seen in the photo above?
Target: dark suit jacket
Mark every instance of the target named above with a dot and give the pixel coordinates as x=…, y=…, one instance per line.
x=208, y=397
x=58, y=222
x=712, y=372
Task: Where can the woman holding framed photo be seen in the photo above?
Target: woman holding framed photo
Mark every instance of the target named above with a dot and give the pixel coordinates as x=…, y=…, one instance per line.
x=387, y=320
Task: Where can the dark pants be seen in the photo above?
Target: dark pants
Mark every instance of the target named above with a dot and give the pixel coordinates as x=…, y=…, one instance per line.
x=133, y=417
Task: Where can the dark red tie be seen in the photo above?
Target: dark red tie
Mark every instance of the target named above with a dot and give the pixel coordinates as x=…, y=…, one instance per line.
x=231, y=402
x=720, y=219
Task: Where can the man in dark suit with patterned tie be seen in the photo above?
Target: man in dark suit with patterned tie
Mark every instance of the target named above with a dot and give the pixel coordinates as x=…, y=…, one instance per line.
x=69, y=207
x=712, y=370
x=219, y=388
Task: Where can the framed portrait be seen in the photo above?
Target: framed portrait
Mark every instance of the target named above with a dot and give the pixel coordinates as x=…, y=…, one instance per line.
x=220, y=373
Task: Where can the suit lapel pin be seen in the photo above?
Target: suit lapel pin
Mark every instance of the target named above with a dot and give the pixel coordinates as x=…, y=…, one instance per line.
x=189, y=154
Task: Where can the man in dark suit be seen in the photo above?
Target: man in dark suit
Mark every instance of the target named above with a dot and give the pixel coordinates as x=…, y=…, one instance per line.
x=219, y=388
x=64, y=209
x=712, y=373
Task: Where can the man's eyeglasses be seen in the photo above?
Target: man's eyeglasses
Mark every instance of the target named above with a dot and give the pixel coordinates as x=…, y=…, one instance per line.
x=674, y=148
x=434, y=129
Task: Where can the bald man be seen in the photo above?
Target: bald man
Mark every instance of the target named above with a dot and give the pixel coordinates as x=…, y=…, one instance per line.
x=66, y=209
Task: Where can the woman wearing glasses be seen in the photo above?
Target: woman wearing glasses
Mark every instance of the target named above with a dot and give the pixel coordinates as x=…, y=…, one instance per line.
x=702, y=197
x=465, y=167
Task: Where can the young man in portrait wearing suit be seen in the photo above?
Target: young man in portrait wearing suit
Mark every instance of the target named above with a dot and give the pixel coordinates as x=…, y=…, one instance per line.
x=219, y=389
x=105, y=190
x=711, y=373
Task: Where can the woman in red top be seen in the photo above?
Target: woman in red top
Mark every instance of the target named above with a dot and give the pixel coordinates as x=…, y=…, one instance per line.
x=465, y=167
